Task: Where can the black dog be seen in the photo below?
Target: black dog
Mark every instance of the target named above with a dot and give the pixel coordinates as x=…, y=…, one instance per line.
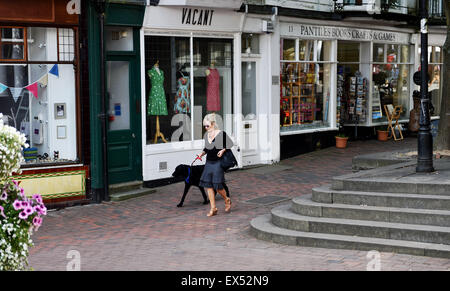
x=191, y=175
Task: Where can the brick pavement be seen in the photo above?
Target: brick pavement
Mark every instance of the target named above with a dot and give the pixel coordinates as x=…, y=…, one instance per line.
x=151, y=233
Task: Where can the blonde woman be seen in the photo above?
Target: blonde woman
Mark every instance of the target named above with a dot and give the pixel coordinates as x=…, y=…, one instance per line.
x=216, y=143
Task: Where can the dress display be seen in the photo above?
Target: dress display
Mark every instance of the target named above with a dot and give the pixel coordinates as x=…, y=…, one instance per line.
x=157, y=99
x=212, y=91
x=183, y=96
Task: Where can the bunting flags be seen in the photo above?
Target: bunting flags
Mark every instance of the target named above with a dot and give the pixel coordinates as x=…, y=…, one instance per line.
x=54, y=70
x=33, y=87
x=44, y=80
x=15, y=92
x=2, y=88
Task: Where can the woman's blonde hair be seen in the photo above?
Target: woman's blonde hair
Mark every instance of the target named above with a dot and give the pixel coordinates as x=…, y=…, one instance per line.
x=211, y=118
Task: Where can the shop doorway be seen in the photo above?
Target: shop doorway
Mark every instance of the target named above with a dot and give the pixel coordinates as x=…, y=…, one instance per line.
x=124, y=110
x=250, y=147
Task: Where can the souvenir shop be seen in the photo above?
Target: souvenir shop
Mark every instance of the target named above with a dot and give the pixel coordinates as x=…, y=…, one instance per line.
x=333, y=76
x=39, y=94
x=195, y=61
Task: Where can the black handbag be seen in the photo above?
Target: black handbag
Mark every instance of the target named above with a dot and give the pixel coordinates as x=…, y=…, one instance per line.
x=228, y=160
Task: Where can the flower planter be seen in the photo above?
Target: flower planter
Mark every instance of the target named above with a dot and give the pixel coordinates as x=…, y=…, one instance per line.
x=341, y=142
x=382, y=135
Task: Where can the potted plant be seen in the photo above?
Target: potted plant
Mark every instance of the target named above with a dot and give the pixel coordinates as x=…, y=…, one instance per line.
x=382, y=133
x=341, y=140
x=20, y=215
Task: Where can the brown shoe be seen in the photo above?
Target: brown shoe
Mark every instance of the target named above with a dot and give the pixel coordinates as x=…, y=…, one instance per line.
x=212, y=212
x=227, y=205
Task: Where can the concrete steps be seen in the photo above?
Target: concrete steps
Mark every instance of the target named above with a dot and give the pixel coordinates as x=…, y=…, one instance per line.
x=262, y=228
x=307, y=207
x=401, y=200
x=283, y=217
x=371, y=210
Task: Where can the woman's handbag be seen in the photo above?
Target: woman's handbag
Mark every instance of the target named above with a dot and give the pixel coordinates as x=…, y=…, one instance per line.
x=228, y=160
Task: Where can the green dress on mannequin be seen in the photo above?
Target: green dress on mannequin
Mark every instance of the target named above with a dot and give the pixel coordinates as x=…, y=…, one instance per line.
x=157, y=99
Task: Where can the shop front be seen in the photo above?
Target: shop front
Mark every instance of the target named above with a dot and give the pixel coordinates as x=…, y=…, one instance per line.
x=196, y=61
x=334, y=76
x=40, y=95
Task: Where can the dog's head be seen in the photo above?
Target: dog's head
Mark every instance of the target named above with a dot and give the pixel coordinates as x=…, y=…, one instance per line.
x=180, y=171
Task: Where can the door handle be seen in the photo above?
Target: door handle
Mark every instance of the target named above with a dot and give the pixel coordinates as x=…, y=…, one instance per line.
x=133, y=135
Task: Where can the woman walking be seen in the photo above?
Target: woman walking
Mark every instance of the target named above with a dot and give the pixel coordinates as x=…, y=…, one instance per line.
x=216, y=143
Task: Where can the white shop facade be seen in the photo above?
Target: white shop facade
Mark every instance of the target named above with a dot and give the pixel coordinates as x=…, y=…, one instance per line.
x=185, y=44
x=336, y=74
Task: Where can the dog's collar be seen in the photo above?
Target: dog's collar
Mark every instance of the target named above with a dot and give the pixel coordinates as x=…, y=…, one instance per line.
x=189, y=175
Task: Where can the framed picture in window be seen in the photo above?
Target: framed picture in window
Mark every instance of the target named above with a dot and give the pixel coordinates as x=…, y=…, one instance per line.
x=60, y=110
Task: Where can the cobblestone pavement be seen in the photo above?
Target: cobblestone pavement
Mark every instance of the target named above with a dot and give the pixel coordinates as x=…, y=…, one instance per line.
x=151, y=233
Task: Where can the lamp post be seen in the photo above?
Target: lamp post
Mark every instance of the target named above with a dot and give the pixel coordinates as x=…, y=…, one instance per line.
x=425, y=139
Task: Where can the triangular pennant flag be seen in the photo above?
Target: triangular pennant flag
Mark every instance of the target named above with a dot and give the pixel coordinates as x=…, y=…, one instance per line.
x=54, y=70
x=2, y=88
x=16, y=92
x=33, y=88
x=44, y=80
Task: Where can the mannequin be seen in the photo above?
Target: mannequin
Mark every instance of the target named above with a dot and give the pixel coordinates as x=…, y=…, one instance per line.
x=157, y=100
x=212, y=89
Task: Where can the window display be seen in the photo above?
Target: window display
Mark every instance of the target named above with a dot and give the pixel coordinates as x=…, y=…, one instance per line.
x=391, y=80
x=435, y=62
x=37, y=95
x=305, y=85
x=175, y=108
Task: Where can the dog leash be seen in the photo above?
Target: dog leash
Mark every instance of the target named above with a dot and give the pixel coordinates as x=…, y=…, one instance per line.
x=189, y=169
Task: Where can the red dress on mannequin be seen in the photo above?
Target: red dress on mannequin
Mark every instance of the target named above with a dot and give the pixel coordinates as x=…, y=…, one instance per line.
x=212, y=91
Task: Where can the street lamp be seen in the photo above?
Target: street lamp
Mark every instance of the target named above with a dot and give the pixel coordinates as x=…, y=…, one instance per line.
x=425, y=139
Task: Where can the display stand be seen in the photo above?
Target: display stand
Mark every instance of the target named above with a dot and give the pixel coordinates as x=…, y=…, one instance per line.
x=158, y=132
x=393, y=114
x=298, y=105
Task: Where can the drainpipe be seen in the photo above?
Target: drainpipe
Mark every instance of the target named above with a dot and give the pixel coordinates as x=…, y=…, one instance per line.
x=100, y=7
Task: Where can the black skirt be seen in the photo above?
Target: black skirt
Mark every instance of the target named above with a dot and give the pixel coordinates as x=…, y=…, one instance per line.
x=213, y=175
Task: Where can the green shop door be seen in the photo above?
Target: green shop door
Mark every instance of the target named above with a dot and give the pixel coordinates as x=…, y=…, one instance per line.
x=124, y=130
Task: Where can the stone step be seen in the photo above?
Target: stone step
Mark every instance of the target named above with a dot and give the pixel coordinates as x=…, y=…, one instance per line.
x=125, y=187
x=305, y=206
x=398, y=178
x=120, y=196
x=325, y=194
x=283, y=217
x=262, y=228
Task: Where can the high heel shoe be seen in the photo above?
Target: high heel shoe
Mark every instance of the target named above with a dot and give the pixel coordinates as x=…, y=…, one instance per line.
x=228, y=205
x=212, y=212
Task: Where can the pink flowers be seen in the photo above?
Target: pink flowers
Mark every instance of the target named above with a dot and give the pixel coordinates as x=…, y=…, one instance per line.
x=2, y=213
x=29, y=210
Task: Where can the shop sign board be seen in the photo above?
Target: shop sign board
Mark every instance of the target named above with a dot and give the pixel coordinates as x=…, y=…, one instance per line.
x=342, y=33
x=192, y=18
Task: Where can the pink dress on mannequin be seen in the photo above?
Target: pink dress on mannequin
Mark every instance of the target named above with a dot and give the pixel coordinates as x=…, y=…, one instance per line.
x=212, y=91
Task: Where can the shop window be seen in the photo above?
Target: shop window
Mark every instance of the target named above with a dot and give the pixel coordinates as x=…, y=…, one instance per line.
x=305, y=87
x=213, y=79
x=390, y=80
x=66, y=41
x=12, y=43
x=306, y=50
x=348, y=52
x=119, y=38
x=250, y=43
x=173, y=105
x=435, y=63
x=378, y=52
x=288, y=49
x=39, y=99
